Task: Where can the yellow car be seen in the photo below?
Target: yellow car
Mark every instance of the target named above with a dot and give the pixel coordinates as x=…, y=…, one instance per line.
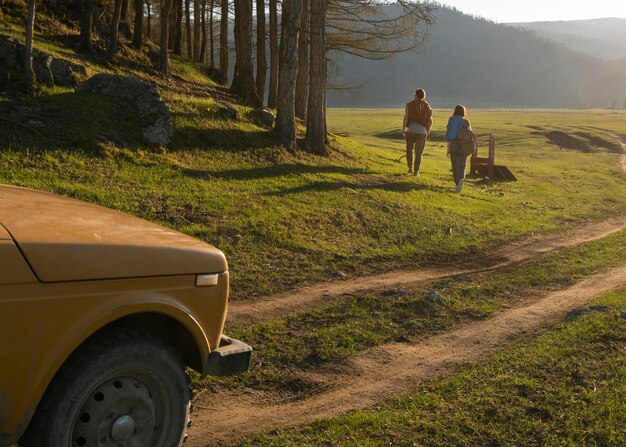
x=100, y=312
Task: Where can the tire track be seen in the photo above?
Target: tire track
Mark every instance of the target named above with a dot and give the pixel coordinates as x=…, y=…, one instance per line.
x=389, y=369
x=534, y=246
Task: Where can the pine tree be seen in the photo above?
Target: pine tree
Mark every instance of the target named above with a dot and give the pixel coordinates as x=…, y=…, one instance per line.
x=29, y=72
x=164, y=58
x=243, y=81
x=288, y=67
x=316, y=108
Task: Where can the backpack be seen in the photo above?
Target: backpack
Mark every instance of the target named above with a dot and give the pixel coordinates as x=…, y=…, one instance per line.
x=467, y=139
x=421, y=113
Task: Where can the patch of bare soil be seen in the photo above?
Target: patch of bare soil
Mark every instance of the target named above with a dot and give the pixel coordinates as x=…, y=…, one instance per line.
x=536, y=245
x=578, y=141
x=567, y=141
x=388, y=370
x=622, y=158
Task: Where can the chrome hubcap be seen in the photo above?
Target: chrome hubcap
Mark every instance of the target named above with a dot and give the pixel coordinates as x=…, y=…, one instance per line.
x=122, y=428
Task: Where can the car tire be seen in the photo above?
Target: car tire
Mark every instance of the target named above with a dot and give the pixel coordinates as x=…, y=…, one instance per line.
x=121, y=388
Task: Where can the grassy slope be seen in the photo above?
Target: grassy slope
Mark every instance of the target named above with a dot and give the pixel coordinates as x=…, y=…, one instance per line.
x=568, y=387
x=284, y=218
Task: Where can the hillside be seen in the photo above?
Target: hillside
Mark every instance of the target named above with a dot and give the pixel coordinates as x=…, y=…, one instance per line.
x=361, y=289
x=285, y=217
x=482, y=64
x=603, y=38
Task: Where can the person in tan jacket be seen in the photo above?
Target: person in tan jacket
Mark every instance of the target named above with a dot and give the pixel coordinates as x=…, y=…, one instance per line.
x=418, y=120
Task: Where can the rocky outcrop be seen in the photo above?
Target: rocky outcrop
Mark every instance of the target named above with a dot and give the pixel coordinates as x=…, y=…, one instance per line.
x=263, y=116
x=49, y=70
x=142, y=95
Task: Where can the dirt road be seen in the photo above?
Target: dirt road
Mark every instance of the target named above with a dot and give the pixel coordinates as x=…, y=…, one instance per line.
x=226, y=416
x=532, y=247
x=388, y=369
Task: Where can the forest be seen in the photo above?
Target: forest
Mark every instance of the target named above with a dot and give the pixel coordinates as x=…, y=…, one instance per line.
x=292, y=40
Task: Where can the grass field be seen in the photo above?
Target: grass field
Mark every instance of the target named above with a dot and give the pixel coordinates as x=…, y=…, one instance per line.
x=339, y=330
x=567, y=387
x=285, y=218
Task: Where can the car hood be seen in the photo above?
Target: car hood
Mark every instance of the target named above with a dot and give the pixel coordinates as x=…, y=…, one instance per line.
x=68, y=240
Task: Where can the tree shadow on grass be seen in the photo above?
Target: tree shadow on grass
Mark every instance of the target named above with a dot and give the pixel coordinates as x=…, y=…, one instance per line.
x=339, y=185
x=280, y=170
x=234, y=140
x=436, y=136
x=74, y=121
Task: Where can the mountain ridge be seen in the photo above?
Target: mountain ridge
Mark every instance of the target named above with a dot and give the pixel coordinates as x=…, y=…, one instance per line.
x=604, y=38
x=482, y=64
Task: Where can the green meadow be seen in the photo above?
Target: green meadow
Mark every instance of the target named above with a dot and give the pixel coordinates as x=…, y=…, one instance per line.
x=343, y=328
x=567, y=387
x=287, y=219
x=284, y=218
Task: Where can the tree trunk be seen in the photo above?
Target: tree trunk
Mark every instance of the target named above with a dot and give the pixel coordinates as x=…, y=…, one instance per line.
x=29, y=73
x=224, y=42
x=86, y=25
x=188, y=29
x=288, y=61
x=138, y=28
x=204, y=34
x=115, y=23
x=149, y=24
x=243, y=82
x=273, y=86
x=302, y=81
x=124, y=11
x=211, y=35
x=178, y=29
x=197, y=12
x=164, y=56
x=261, y=60
x=172, y=26
x=316, y=109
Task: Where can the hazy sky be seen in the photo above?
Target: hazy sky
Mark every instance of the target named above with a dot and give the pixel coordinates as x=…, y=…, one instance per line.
x=540, y=10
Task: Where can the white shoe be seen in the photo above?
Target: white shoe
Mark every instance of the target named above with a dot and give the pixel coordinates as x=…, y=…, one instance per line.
x=459, y=186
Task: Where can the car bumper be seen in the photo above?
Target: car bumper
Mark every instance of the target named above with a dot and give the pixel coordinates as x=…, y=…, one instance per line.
x=232, y=357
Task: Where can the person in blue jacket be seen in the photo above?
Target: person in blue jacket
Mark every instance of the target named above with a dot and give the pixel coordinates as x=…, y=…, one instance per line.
x=458, y=160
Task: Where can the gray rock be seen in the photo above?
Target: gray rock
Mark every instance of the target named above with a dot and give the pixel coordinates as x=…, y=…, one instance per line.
x=159, y=133
x=264, y=116
x=41, y=64
x=227, y=111
x=142, y=95
x=48, y=69
x=435, y=297
x=8, y=53
x=622, y=314
x=67, y=73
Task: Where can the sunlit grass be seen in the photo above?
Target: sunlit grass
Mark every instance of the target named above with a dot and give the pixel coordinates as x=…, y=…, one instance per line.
x=284, y=218
x=567, y=387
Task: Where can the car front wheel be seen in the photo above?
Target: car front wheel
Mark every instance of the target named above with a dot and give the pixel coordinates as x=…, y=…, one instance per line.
x=121, y=388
